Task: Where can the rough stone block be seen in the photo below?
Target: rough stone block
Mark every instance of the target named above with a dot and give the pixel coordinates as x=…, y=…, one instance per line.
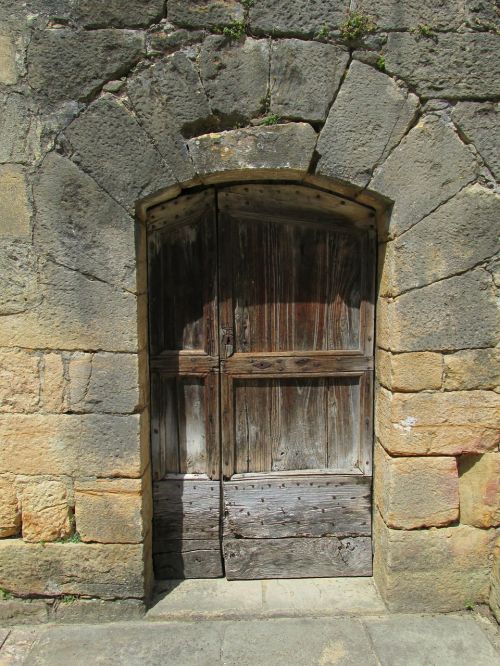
x=8, y=72
x=438, y=423
x=304, y=78
x=434, y=570
x=448, y=65
x=10, y=514
x=18, y=279
x=80, y=226
x=397, y=15
x=480, y=124
x=23, y=611
x=495, y=582
x=472, y=369
x=296, y=17
x=69, y=444
x=440, y=166
x=235, y=76
x=109, y=510
x=288, y=147
x=368, y=118
x=108, y=140
x=445, y=242
x=456, y=313
x=65, y=64
x=18, y=129
x=116, y=13
x=204, y=13
x=44, y=511
x=414, y=371
x=53, y=383
x=15, y=218
x=480, y=490
x=19, y=381
x=97, y=611
x=416, y=492
x=53, y=569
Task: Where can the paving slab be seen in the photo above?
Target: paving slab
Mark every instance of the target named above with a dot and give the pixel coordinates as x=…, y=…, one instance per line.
x=445, y=640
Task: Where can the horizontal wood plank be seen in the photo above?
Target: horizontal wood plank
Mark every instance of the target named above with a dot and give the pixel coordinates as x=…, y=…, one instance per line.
x=186, y=509
x=247, y=559
x=272, y=364
x=188, y=364
x=301, y=506
x=187, y=558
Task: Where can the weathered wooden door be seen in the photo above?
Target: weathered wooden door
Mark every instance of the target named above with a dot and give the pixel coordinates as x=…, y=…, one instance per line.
x=261, y=322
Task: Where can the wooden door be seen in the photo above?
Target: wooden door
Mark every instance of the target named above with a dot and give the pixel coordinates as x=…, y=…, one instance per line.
x=261, y=320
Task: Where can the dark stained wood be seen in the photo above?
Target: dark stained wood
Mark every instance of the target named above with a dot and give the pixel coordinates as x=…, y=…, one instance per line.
x=301, y=506
x=247, y=559
x=187, y=558
x=186, y=509
x=185, y=364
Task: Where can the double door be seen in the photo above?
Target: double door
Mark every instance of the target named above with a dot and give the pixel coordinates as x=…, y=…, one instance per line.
x=261, y=339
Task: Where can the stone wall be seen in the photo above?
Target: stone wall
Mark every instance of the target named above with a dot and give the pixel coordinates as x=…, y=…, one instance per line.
x=109, y=105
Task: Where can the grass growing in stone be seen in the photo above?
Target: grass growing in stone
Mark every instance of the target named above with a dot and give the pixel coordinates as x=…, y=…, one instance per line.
x=356, y=26
x=4, y=595
x=323, y=32
x=74, y=538
x=380, y=64
x=235, y=30
x=424, y=30
x=272, y=119
x=68, y=599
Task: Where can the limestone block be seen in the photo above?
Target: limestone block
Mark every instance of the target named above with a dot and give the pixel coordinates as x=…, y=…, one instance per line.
x=457, y=313
x=10, y=514
x=15, y=218
x=416, y=492
x=440, y=166
x=480, y=490
x=432, y=570
x=44, y=511
x=204, y=13
x=23, y=611
x=53, y=569
x=82, y=227
x=288, y=147
x=449, y=65
x=97, y=611
x=109, y=141
x=296, y=17
x=305, y=77
x=116, y=13
x=438, y=423
x=64, y=64
x=445, y=242
x=70, y=444
x=19, y=381
x=235, y=76
x=472, y=369
x=414, y=371
x=53, y=383
x=19, y=290
x=495, y=582
x=8, y=73
x=102, y=383
x=480, y=124
x=109, y=510
x=368, y=118
x=397, y=15
x=18, y=129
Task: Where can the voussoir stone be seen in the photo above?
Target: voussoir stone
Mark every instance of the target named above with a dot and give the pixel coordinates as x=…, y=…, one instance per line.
x=480, y=124
x=480, y=490
x=114, y=149
x=445, y=242
x=440, y=166
x=95, y=570
x=64, y=64
x=235, y=76
x=459, y=312
x=70, y=444
x=397, y=15
x=448, y=65
x=262, y=149
x=369, y=117
x=204, y=13
x=472, y=369
x=82, y=227
x=304, y=78
x=296, y=17
x=116, y=13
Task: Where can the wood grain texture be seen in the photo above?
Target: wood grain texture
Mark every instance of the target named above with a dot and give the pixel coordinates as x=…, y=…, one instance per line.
x=187, y=558
x=186, y=509
x=247, y=559
x=302, y=506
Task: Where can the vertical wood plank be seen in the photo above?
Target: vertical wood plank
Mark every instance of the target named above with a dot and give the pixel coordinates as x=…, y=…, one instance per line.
x=191, y=419
x=344, y=419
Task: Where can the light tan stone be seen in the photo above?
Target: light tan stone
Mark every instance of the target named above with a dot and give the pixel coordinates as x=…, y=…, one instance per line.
x=52, y=569
x=10, y=515
x=15, y=218
x=438, y=423
x=495, y=582
x=472, y=369
x=415, y=371
x=480, y=490
x=416, y=492
x=19, y=381
x=441, y=569
x=109, y=510
x=8, y=73
x=53, y=383
x=45, y=511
